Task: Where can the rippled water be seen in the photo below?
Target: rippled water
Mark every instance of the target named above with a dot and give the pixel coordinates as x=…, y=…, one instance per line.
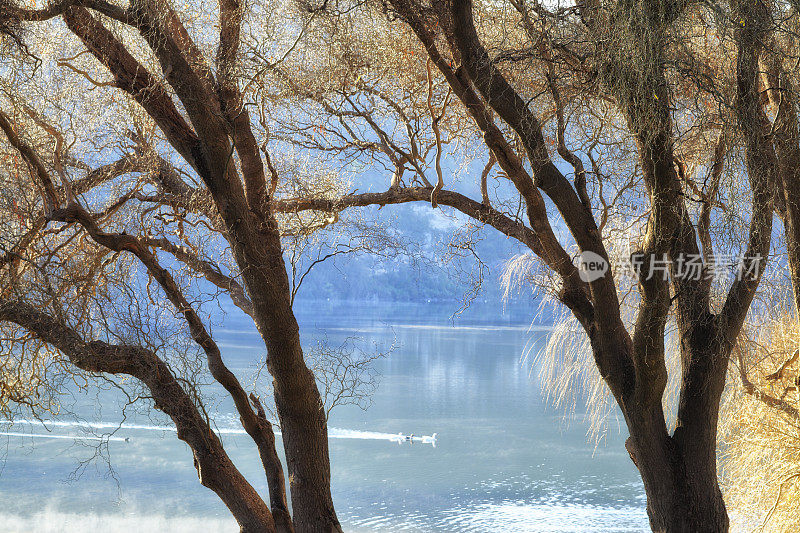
x=503, y=461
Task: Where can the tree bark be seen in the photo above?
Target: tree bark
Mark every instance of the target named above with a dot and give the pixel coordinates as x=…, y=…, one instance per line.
x=239, y=200
x=251, y=229
x=682, y=490
x=257, y=249
x=680, y=471
x=787, y=149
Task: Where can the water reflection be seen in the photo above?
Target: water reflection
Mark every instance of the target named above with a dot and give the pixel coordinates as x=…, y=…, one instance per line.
x=502, y=461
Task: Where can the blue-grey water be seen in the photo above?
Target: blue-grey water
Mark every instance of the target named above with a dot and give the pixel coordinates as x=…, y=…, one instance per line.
x=503, y=460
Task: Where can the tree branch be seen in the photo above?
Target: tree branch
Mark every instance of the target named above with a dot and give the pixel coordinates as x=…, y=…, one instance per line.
x=214, y=467
x=133, y=78
x=207, y=269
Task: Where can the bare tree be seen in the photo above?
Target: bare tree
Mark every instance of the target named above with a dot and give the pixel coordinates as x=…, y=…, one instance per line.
x=191, y=196
x=677, y=141
x=656, y=108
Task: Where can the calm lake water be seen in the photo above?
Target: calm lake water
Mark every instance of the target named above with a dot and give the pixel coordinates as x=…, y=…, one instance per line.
x=503, y=460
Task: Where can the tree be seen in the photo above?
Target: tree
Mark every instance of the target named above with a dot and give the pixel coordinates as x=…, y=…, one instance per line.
x=192, y=188
x=661, y=100
x=656, y=108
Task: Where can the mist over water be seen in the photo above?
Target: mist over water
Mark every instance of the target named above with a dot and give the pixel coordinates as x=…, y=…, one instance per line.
x=503, y=461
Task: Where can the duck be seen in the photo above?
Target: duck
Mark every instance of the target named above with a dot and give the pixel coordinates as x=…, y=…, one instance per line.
x=432, y=438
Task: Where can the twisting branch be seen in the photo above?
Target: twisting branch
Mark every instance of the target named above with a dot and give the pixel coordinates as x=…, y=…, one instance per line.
x=437, y=134
x=214, y=467
x=49, y=196
x=481, y=212
x=207, y=269
x=778, y=374
x=133, y=78
x=766, y=399
x=484, y=179
x=259, y=429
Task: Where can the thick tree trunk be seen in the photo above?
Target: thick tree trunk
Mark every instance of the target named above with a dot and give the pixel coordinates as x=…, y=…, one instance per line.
x=305, y=441
x=679, y=476
x=680, y=471
x=299, y=404
x=683, y=494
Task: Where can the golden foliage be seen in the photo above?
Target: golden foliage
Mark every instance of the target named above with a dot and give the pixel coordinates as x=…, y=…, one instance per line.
x=761, y=444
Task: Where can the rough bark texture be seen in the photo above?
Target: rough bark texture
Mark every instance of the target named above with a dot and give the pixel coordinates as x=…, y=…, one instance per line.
x=302, y=417
x=679, y=470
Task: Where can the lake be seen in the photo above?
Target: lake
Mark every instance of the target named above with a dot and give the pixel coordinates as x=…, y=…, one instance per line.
x=503, y=460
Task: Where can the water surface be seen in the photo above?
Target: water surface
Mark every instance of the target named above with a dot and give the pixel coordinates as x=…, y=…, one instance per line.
x=503, y=460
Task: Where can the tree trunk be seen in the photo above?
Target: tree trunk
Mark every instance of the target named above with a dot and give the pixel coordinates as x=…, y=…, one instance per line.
x=680, y=471
x=683, y=494
x=680, y=477
x=305, y=440
x=297, y=399
x=786, y=137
